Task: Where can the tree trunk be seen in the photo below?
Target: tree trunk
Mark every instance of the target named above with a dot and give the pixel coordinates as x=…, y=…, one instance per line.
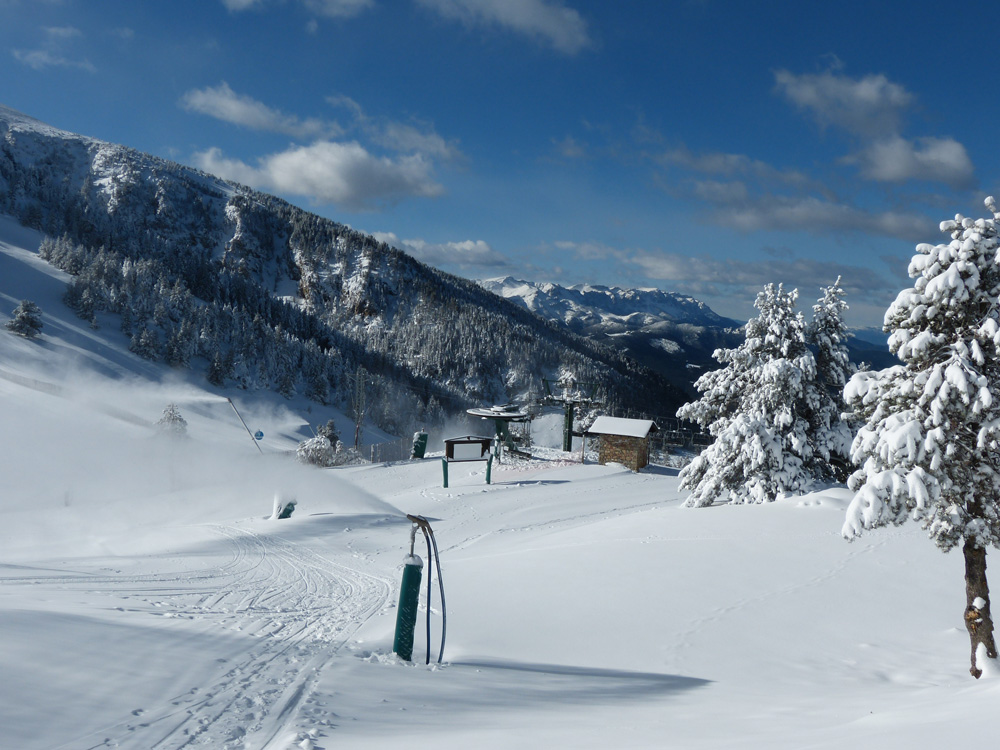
x=978, y=621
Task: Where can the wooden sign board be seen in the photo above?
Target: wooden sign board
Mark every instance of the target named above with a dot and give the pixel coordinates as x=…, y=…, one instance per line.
x=468, y=448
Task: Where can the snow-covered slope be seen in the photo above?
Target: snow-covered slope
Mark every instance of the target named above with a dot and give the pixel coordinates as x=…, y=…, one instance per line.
x=146, y=599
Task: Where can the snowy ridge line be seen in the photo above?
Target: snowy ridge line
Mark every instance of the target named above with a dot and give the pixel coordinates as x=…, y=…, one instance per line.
x=297, y=608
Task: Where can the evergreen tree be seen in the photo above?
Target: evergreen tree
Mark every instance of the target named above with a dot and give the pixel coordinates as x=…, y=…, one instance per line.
x=756, y=408
x=27, y=320
x=146, y=344
x=172, y=423
x=830, y=435
x=929, y=449
x=218, y=369
x=329, y=431
x=286, y=384
x=180, y=345
x=317, y=451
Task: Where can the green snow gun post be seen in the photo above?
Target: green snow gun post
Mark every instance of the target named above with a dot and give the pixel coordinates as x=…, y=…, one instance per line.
x=409, y=594
x=409, y=598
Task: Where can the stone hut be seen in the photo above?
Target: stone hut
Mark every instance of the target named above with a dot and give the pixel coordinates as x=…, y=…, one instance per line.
x=623, y=441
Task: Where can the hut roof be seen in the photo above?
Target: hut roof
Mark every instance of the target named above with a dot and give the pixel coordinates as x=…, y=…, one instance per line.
x=639, y=428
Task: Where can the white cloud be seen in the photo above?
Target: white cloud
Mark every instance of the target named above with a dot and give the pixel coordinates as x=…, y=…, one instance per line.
x=872, y=108
x=329, y=8
x=715, y=276
x=222, y=103
x=213, y=162
x=896, y=159
x=329, y=171
x=399, y=136
x=339, y=8
x=716, y=192
x=590, y=250
x=463, y=255
x=770, y=199
x=816, y=215
x=570, y=148
x=50, y=54
x=731, y=165
x=869, y=106
x=344, y=174
x=62, y=32
x=547, y=20
x=402, y=137
x=39, y=59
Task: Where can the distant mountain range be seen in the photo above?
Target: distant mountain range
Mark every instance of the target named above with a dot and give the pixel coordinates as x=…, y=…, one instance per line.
x=211, y=275
x=671, y=333
x=591, y=309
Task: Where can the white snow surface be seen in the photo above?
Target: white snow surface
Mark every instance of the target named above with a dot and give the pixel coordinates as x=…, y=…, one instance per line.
x=147, y=601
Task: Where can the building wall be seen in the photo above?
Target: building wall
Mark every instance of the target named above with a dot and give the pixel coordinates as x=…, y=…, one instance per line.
x=632, y=452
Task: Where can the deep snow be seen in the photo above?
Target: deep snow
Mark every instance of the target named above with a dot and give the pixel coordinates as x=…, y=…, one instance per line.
x=147, y=601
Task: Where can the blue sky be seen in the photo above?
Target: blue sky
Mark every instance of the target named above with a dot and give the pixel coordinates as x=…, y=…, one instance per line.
x=698, y=146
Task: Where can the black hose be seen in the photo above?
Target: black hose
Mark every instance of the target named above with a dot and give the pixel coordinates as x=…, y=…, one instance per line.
x=428, y=539
x=425, y=527
x=444, y=611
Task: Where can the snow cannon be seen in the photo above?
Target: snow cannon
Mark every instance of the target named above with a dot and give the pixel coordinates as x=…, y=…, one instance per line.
x=283, y=507
x=419, y=444
x=406, y=613
x=409, y=594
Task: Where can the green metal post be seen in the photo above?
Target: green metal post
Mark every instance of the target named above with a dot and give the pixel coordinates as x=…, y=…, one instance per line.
x=568, y=428
x=406, y=613
x=489, y=468
x=444, y=467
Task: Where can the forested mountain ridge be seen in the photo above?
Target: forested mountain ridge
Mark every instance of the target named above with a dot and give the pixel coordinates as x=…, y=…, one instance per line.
x=671, y=333
x=271, y=296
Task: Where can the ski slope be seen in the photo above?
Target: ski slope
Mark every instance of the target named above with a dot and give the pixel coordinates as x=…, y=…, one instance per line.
x=148, y=601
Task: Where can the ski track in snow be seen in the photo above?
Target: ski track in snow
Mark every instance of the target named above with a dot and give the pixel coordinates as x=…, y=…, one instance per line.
x=300, y=609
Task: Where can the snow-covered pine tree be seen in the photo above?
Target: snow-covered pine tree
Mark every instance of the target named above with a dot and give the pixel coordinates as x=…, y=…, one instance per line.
x=755, y=408
x=146, y=344
x=830, y=435
x=929, y=449
x=329, y=431
x=27, y=320
x=171, y=422
x=317, y=451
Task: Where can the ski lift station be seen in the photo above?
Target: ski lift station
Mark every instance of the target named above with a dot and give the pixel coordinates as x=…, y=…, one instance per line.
x=623, y=441
x=503, y=417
